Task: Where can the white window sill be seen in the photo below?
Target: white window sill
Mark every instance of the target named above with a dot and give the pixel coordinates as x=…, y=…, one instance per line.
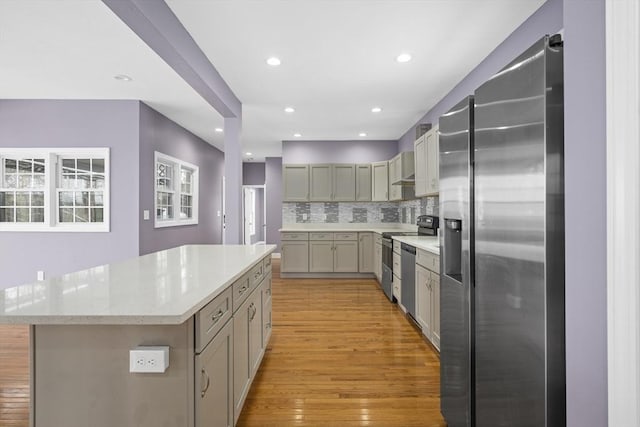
x=77, y=228
x=175, y=223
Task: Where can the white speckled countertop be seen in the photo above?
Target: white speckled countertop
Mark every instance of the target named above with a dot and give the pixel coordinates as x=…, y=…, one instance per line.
x=427, y=243
x=166, y=287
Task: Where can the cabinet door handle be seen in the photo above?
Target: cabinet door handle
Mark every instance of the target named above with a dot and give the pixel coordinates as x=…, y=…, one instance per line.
x=254, y=310
x=206, y=387
x=215, y=317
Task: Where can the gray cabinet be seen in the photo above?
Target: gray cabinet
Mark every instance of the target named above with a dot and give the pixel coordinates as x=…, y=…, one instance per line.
x=365, y=253
x=332, y=183
x=344, y=183
x=267, y=325
x=321, y=256
x=420, y=159
x=214, y=385
x=295, y=182
x=428, y=295
x=345, y=256
x=377, y=258
x=321, y=183
x=432, y=160
x=295, y=255
x=363, y=183
x=247, y=347
x=380, y=181
x=395, y=191
x=333, y=252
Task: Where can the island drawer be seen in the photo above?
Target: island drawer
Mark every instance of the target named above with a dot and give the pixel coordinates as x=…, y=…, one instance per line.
x=211, y=318
x=345, y=236
x=256, y=274
x=241, y=290
x=294, y=236
x=267, y=264
x=428, y=260
x=320, y=236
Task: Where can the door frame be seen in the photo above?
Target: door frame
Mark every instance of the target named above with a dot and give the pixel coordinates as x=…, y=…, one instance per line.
x=264, y=210
x=623, y=211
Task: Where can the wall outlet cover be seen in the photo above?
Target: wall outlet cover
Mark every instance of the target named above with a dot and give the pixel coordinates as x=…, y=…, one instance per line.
x=149, y=359
x=145, y=214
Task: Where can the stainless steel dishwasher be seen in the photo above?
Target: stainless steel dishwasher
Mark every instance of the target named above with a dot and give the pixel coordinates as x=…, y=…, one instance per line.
x=408, y=291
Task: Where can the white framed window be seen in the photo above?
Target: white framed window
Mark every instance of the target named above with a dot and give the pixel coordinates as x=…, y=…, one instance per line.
x=54, y=189
x=176, y=191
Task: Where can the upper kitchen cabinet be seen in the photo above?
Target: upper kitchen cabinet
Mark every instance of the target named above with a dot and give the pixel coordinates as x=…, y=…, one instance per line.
x=420, y=157
x=433, y=163
x=295, y=180
x=321, y=183
x=363, y=183
x=332, y=183
x=344, y=183
x=402, y=176
x=427, y=163
x=380, y=181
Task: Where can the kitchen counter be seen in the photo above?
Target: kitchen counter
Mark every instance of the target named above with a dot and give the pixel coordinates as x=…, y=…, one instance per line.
x=426, y=243
x=166, y=287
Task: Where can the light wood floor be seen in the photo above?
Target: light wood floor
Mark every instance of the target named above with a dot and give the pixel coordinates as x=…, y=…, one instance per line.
x=340, y=355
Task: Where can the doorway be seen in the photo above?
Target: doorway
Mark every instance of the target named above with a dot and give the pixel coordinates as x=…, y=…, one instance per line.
x=254, y=214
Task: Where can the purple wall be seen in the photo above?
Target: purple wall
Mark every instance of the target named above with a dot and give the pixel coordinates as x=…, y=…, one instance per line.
x=253, y=173
x=40, y=123
x=157, y=133
x=338, y=151
x=546, y=20
x=273, y=182
x=585, y=212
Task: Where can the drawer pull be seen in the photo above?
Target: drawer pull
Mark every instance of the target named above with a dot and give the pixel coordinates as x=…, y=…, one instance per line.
x=215, y=317
x=206, y=387
x=242, y=290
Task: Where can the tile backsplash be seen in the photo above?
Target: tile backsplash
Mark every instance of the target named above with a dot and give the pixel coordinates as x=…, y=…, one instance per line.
x=405, y=212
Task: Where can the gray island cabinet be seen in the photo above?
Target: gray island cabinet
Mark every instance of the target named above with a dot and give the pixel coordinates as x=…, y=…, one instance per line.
x=210, y=304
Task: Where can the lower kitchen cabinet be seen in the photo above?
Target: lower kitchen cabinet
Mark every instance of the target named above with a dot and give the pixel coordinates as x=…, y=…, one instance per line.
x=377, y=260
x=266, y=311
x=321, y=255
x=366, y=262
x=214, y=385
x=247, y=346
x=345, y=258
x=295, y=256
x=428, y=297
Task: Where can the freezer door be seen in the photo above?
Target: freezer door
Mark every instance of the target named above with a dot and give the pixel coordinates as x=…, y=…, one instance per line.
x=456, y=291
x=519, y=243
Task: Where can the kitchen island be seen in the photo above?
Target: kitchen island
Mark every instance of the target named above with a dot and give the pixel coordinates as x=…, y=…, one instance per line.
x=210, y=304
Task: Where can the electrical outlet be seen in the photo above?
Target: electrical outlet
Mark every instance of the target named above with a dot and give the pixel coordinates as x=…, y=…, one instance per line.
x=145, y=214
x=149, y=359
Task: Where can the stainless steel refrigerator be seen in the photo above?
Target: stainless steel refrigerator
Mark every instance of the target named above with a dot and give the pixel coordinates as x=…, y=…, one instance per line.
x=502, y=284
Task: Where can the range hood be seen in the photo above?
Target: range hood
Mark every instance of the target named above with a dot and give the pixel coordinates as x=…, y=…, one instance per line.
x=402, y=169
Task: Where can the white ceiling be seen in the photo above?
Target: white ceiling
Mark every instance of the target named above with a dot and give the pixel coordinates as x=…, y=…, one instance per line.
x=338, y=60
x=72, y=49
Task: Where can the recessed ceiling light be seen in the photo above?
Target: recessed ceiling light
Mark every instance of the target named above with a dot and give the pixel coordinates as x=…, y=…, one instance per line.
x=404, y=57
x=362, y=134
x=297, y=135
x=218, y=130
x=289, y=110
x=248, y=153
x=122, y=77
x=273, y=61
x=376, y=109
